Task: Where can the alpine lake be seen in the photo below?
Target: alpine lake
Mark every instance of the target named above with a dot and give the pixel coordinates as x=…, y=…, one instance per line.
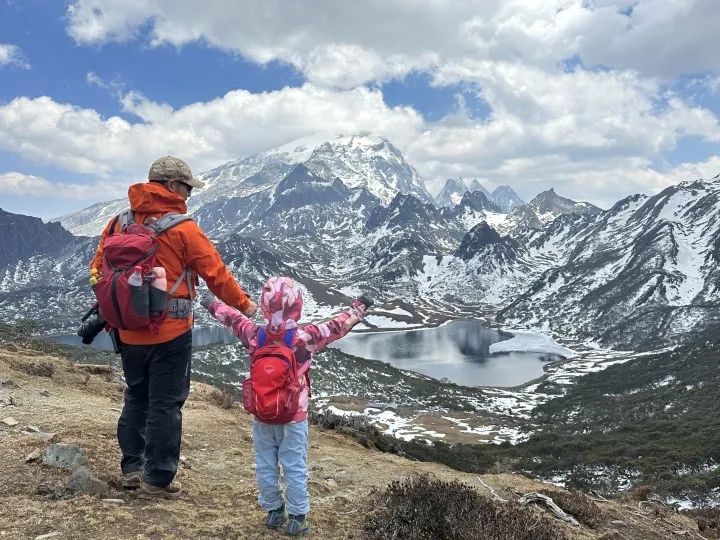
x=458, y=351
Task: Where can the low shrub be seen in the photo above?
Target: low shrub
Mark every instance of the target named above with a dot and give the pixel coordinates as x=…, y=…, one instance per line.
x=221, y=398
x=422, y=508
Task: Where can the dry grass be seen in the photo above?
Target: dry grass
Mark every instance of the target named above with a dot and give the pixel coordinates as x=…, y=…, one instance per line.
x=221, y=398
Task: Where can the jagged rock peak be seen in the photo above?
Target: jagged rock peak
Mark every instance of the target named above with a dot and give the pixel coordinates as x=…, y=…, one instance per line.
x=25, y=235
x=404, y=209
x=477, y=200
x=548, y=205
x=506, y=198
x=451, y=193
x=475, y=185
x=302, y=187
x=480, y=236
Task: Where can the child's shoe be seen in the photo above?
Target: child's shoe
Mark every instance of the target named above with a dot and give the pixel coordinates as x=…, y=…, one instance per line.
x=298, y=525
x=276, y=518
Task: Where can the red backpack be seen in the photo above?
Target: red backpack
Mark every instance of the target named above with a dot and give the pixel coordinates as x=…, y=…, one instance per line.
x=122, y=305
x=272, y=392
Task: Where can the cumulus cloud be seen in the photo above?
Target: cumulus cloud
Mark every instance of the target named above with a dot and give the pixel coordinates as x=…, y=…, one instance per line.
x=16, y=183
x=593, y=136
x=205, y=134
x=11, y=55
x=345, y=42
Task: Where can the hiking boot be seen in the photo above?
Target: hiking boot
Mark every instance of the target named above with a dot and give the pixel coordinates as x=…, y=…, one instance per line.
x=132, y=480
x=148, y=491
x=276, y=518
x=298, y=525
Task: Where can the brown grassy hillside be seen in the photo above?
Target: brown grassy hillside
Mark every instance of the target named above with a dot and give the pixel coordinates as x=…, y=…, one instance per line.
x=81, y=406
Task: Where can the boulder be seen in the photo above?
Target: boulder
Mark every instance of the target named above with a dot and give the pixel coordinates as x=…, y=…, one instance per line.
x=64, y=456
x=83, y=481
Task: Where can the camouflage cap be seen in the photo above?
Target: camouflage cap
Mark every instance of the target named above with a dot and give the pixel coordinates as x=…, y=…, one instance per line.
x=169, y=168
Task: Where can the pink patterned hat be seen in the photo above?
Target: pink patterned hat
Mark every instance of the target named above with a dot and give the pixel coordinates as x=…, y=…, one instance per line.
x=281, y=302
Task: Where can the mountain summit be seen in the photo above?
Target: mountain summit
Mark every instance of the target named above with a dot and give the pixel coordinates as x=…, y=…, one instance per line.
x=548, y=205
x=359, y=161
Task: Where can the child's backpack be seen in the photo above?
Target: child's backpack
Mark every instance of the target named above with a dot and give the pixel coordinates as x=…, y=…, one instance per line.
x=121, y=304
x=272, y=392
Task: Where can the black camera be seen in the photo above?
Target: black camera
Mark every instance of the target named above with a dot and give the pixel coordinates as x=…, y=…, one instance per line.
x=92, y=325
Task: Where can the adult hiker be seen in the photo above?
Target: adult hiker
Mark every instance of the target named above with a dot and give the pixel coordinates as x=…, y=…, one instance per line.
x=156, y=350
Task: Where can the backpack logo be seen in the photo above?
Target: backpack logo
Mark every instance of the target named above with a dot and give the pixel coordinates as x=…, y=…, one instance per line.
x=272, y=392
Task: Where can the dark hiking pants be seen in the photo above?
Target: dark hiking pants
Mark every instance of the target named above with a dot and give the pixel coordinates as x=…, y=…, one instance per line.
x=150, y=426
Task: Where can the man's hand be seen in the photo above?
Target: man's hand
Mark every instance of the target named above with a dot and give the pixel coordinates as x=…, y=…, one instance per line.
x=206, y=299
x=250, y=310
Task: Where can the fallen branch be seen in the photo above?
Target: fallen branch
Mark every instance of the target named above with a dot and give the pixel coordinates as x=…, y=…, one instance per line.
x=539, y=498
x=492, y=491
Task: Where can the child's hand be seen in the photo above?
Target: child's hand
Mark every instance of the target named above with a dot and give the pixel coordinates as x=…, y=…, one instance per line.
x=206, y=299
x=366, y=300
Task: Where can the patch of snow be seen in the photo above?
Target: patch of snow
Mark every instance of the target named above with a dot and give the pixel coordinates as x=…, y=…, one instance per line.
x=531, y=342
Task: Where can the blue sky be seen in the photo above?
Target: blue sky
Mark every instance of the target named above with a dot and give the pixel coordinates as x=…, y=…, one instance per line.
x=91, y=90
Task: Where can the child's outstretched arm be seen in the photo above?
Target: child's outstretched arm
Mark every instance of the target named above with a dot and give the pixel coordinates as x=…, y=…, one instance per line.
x=319, y=336
x=241, y=326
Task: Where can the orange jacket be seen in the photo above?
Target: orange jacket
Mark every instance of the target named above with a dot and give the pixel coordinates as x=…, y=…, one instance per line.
x=184, y=245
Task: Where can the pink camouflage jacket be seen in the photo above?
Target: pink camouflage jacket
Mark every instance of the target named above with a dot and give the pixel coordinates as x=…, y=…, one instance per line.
x=309, y=339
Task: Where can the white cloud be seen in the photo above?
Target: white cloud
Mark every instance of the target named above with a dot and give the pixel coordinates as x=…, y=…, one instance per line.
x=205, y=134
x=593, y=136
x=16, y=183
x=345, y=42
x=11, y=55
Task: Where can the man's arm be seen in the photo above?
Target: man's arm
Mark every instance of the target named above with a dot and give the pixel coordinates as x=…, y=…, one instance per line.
x=203, y=258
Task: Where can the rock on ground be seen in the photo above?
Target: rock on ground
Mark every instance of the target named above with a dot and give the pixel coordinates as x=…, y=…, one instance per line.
x=83, y=481
x=64, y=456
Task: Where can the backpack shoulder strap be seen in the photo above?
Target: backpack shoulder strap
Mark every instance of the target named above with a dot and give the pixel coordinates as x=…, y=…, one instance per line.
x=262, y=336
x=289, y=337
x=166, y=222
x=125, y=219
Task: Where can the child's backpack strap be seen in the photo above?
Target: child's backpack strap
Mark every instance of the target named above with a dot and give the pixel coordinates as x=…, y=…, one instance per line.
x=288, y=338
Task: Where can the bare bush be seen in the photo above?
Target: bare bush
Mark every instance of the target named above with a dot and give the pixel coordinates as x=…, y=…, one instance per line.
x=425, y=508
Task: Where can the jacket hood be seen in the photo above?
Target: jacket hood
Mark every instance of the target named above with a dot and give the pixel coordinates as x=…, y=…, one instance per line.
x=281, y=302
x=152, y=198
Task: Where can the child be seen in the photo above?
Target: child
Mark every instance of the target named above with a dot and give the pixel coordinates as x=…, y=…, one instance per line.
x=281, y=305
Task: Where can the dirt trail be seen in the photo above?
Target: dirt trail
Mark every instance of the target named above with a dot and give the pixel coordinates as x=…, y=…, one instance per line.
x=220, y=502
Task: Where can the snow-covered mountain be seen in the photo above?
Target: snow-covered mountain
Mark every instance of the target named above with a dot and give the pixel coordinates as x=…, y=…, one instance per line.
x=505, y=198
x=92, y=220
x=548, y=205
x=552, y=263
x=360, y=161
x=363, y=161
x=647, y=269
x=452, y=192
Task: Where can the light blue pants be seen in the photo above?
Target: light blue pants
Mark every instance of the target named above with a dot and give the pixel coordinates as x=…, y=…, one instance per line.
x=286, y=444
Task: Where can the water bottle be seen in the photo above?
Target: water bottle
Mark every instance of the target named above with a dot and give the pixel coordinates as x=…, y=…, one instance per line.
x=136, y=279
x=158, y=292
x=139, y=293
